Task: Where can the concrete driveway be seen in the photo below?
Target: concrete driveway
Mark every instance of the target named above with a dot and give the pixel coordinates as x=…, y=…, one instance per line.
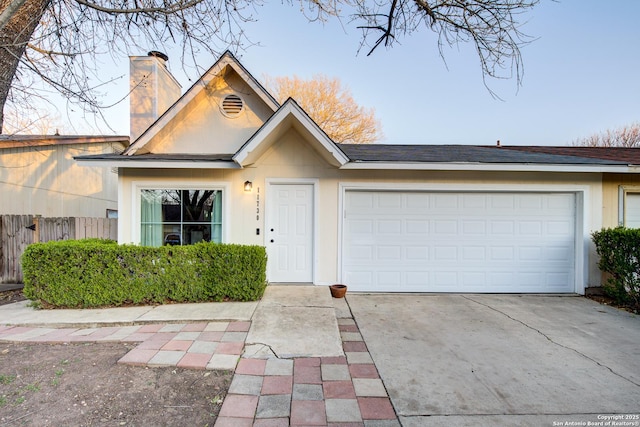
x=469, y=360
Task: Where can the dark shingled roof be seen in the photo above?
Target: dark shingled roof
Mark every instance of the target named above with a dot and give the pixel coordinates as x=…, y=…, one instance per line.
x=630, y=156
x=391, y=153
x=468, y=154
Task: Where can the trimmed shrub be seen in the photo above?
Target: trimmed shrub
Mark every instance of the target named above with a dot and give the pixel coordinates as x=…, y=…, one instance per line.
x=619, y=250
x=99, y=273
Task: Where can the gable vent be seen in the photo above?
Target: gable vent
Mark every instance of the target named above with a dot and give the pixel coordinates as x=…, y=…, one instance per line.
x=232, y=105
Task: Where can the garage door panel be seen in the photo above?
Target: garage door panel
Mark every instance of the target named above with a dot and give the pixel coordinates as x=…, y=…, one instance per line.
x=389, y=226
x=389, y=253
x=474, y=227
x=502, y=202
x=445, y=226
x=505, y=227
x=416, y=202
x=459, y=242
x=445, y=201
x=389, y=200
x=473, y=201
x=502, y=253
x=414, y=226
x=530, y=253
x=530, y=202
x=560, y=228
x=363, y=227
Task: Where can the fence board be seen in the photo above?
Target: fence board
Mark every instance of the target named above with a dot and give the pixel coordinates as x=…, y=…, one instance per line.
x=15, y=237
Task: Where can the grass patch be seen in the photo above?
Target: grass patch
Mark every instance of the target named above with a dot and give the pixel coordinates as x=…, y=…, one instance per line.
x=7, y=379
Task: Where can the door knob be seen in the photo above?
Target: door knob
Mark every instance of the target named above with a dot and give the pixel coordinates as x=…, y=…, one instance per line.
x=271, y=240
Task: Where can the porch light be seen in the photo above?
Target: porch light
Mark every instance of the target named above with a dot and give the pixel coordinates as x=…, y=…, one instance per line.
x=248, y=185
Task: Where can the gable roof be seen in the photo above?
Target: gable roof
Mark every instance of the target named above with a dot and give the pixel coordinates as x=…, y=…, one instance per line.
x=290, y=114
x=359, y=156
x=226, y=60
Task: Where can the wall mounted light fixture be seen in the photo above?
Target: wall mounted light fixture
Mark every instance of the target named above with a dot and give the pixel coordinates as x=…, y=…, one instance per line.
x=248, y=185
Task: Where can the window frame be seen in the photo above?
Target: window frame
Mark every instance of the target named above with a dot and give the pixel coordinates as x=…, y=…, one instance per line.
x=139, y=186
x=623, y=191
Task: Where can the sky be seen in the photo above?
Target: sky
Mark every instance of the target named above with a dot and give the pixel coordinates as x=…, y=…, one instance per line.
x=581, y=76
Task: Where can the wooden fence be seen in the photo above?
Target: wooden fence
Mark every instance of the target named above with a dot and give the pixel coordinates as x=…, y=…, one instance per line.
x=19, y=231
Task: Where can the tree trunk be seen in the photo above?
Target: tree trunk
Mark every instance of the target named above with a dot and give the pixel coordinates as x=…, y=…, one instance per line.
x=14, y=37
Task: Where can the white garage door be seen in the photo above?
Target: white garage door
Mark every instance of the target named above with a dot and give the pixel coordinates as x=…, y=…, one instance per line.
x=459, y=242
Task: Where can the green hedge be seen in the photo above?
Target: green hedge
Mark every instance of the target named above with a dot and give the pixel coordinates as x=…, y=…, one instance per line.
x=99, y=273
x=619, y=250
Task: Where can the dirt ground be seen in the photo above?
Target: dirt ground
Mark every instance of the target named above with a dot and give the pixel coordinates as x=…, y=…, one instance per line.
x=8, y=297
x=81, y=384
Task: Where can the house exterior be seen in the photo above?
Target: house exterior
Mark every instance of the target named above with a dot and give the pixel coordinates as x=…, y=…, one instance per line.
x=38, y=176
x=227, y=163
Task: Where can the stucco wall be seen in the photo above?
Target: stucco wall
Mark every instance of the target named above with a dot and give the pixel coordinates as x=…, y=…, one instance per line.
x=292, y=159
x=201, y=128
x=45, y=180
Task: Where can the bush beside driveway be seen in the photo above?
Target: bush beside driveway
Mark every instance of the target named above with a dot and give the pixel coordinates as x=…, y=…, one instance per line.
x=501, y=359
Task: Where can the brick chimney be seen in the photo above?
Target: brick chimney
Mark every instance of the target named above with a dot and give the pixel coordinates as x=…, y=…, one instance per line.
x=153, y=90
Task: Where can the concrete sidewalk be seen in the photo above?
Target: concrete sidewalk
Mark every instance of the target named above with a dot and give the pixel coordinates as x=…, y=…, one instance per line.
x=289, y=321
x=295, y=321
x=21, y=314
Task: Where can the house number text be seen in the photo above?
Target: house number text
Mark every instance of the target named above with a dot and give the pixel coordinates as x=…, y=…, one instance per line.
x=258, y=204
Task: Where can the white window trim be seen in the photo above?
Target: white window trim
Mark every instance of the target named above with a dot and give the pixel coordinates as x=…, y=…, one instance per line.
x=138, y=186
x=623, y=190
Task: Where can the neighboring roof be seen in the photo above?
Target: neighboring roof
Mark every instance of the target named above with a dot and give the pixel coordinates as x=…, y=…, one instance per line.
x=290, y=114
x=466, y=154
x=18, y=141
x=173, y=161
x=226, y=60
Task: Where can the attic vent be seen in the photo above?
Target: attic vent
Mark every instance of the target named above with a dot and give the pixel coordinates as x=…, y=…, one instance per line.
x=232, y=105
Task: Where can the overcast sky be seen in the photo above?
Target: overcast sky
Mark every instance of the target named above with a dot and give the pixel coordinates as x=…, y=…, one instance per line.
x=581, y=76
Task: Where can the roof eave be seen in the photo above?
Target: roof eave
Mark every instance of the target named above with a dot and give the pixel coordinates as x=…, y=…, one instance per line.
x=60, y=141
x=158, y=164
x=489, y=167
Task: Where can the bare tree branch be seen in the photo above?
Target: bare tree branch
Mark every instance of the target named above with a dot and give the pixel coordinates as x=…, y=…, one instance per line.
x=492, y=26
x=164, y=10
x=58, y=41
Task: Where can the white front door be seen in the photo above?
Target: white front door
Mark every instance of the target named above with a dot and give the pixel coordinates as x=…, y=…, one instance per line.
x=289, y=233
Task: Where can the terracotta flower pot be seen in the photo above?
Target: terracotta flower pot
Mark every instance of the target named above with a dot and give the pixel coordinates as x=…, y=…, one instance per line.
x=338, y=291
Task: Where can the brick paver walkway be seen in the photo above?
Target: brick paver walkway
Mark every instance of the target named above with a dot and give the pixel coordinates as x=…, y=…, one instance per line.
x=214, y=345
x=312, y=391
x=331, y=391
